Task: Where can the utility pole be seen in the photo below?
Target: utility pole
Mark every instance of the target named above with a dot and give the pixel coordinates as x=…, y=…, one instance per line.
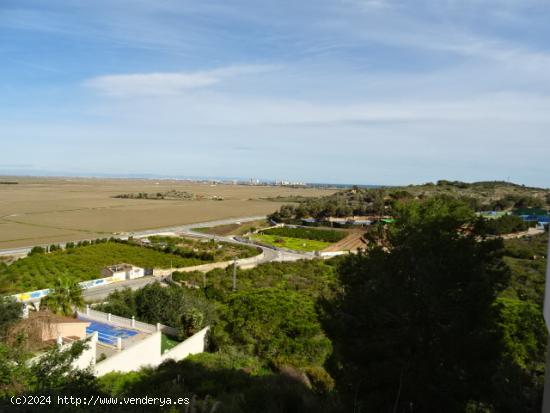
x=546, y=312
x=234, y=274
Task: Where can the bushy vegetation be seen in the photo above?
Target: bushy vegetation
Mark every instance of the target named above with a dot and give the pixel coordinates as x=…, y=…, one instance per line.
x=10, y=312
x=506, y=224
x=326, y=235
x=526, y=258
x=280, y=327
x=206, y=250
x=172, y=306
x=313, y=278
x=480, y=196
x=52, y=373
x=82, y=263
x=234, y=383
x=172, y=194
x=340, y=204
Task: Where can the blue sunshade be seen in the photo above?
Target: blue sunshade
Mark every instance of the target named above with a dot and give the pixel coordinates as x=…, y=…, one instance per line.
x=107, y=333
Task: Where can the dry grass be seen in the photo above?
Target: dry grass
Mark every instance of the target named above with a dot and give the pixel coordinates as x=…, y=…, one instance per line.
x=30, y=330
x=46, y=210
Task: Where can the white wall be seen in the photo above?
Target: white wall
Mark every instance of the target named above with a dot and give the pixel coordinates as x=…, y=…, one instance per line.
x=143, y=353
x=136, y=272
x=148, y=353
x=87, y=358
x=193, y=345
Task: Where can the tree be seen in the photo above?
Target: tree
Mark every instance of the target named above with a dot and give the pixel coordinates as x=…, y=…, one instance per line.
x=56, y=369
x=65, y=297
x=50, y=372
x=37, y=250
x=415, y=326
x=10, y=313
x=14, y=374
x=175, y=306
x=54, y=247
x=505, y=225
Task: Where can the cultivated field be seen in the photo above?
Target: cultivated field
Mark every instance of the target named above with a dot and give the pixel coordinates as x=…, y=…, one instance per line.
x=290, y=243
x=300, y=239
x=47, y=210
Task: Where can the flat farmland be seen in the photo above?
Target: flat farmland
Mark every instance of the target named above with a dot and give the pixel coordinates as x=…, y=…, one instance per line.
x=46, y=210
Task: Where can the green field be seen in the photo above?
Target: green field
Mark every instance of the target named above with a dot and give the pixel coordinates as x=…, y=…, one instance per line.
x=296, y=244
x=315, y=234
x=82, y=263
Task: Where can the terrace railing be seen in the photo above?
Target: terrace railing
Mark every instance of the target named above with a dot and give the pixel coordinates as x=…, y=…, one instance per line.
x=118, y=321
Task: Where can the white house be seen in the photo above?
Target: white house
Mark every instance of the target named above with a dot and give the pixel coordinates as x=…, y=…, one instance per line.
x=123, y=272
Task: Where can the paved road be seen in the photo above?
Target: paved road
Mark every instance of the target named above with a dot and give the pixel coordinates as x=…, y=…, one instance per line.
x=270, y=254
x=100, y=293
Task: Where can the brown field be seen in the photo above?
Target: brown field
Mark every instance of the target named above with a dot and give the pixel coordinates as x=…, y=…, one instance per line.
x=354, y=241
x=45, y=210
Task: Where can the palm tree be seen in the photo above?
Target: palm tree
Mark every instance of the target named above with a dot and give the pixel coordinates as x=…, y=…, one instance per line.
x=65, y=297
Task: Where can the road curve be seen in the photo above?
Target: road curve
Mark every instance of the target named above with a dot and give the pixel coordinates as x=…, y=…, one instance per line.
x=125, y=235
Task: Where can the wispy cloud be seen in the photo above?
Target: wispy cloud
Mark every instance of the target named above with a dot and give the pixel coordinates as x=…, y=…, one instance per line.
x=446, y=83
x=168, y=84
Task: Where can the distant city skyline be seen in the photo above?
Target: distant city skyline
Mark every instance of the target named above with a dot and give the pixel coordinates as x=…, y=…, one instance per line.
x=223, y=179
x=382, y=92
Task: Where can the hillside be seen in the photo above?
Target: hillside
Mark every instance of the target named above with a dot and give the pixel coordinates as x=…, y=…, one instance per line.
x=481, y=196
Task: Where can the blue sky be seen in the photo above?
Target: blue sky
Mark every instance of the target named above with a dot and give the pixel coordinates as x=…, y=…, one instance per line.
x=344, y=91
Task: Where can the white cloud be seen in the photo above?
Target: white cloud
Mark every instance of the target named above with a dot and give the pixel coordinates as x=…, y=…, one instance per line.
x=167, y=84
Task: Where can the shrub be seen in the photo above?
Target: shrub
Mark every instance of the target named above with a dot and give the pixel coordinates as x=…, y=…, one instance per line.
x=278, y=326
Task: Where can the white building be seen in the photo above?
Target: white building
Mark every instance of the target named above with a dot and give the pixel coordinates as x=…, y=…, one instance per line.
x=123, y=272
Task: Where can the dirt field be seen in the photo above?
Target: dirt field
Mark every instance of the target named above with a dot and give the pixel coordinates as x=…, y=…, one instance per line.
x=44, y=210
x=352, y=242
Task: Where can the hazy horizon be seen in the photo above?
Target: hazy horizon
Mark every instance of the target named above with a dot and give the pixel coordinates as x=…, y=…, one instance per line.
x=225, y=179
